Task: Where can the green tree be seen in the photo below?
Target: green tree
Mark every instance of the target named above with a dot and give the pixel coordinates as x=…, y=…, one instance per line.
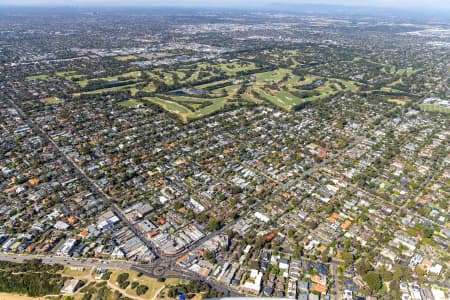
x=141, y=290
x=373, y=280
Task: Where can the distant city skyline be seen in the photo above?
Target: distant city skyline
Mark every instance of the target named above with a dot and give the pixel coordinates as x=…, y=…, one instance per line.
x=431, y=4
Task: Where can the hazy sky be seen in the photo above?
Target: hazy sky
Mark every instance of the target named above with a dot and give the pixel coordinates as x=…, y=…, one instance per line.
x=433, y=4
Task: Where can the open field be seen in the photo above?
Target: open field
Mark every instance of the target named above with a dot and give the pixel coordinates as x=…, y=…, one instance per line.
x=37, y=77
x=128, y=75
x=107, y=90
x=407, y=72
x=85, y=273
x=69, y=75
x=434, y=108
x=388, y=69
x=179, y=106
x=163, y=79
x=211, y=84
x=366, y=60
x=154, y=286
x=51, y=100
x=288, y=90
x=399, y=101
x=230, y=89
x=171, y=106
x=279, y=87
x=126, y=57
x=130, y=103
x=224, y=83
x=283, y=100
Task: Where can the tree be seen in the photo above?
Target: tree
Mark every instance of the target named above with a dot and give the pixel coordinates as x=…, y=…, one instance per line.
x=208, y=254
x=363, y=267
x=141, y=290
x=386, y=275
x=373, y=280
x=214, y=225
x=347, y=257
x=122, y=277
x=236, y=189
x=134, y=284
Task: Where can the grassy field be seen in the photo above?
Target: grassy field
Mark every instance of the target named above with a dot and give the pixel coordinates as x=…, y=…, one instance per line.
x=187, y=108
x=280, y=87
x=236, y=67
x=283, y=102
x=271, y=76
x=435, y=108
x=350, y=86
x=154, y=286
x=128, y=75
x=69, y=75
x=286, y=90
x=231, y=89
x=172, y=107
x=51, y=100
x=407, y=72
x=107, y=90
x=247, y=96
x=186, y=74
x=366, y=60
x=125, y=58
x=217, y=105
x=77, y=273
x=211, y=84
x=37, y=77
x=130, y=103
x=399, y=101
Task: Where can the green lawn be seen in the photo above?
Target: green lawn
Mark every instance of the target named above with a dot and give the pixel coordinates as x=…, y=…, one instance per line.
x=273, y=99
x=69, y=75
x=180, y=106
x=435, y=108
x=362, y=59
x=250, y=98
x=271, y=76
x=407, y=72
x=231, y=89
x=37, y=77
x=350, y=86
x=172, y=107
x=128, y=75
x=284, y=96
x=217, y=105
x=233, y=68
x=107, y=90
x=280, y=87
x=51, y=100
x=125, y=58
x=130, y=103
